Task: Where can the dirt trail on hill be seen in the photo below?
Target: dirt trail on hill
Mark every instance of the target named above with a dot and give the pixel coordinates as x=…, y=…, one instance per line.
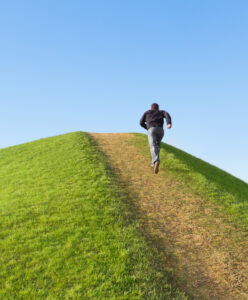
x=207, y=253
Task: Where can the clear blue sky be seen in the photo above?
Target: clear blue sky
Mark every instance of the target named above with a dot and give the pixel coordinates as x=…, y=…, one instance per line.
x=98, y=65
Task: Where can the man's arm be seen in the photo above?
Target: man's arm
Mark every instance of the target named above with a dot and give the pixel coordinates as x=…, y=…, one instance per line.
x=168, y=119
x=143, y=120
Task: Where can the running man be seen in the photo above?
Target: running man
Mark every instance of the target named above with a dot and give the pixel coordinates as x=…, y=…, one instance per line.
x=153, y=121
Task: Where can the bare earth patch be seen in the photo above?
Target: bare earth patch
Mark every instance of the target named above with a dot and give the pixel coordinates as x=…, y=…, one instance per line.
x=208, y=254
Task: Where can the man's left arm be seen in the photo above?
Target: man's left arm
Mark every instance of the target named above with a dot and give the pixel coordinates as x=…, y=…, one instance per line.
x=143, y=120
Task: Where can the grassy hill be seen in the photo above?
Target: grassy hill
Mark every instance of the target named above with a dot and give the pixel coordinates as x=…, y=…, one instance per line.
x=204, y=179
x=66, y=229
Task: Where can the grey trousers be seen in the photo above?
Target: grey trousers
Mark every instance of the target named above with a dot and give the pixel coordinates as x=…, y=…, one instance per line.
x=155, y=135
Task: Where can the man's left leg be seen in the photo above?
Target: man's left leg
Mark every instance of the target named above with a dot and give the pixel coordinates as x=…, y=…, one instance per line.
x=158, y=133
x=152, y=142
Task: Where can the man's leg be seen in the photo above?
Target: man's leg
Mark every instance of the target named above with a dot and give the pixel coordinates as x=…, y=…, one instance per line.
x=155, y=135
x=152, y=143
x=159, y=135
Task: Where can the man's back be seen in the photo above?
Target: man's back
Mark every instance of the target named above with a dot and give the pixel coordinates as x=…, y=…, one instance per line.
x=154, y=118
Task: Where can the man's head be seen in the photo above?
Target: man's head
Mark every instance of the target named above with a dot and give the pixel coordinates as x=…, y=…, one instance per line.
x=154, y=106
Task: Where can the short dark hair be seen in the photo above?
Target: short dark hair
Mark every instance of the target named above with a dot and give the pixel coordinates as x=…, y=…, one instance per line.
x=155, y=106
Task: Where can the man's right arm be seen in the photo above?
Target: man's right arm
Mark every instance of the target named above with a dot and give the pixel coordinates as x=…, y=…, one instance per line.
x=143, y=120
x=168, y=119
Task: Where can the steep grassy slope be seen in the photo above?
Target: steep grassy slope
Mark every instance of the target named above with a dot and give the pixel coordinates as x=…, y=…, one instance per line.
x=204, y=179
x=66, y=232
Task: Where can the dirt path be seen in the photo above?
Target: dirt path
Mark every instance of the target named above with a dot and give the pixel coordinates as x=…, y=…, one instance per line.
x=208, y=255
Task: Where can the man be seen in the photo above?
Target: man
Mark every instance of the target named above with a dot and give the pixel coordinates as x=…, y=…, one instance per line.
x=153, y=121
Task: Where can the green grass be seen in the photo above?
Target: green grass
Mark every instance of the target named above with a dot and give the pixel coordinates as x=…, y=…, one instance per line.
x=206, y=180
x=66, y=231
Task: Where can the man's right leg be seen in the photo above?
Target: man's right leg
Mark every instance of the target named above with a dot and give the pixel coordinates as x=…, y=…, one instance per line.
x=159, y=135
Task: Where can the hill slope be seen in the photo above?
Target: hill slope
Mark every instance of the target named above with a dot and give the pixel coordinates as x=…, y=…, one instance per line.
x=208, y=181
x=194, y=213
x=66, y=229
x=86, y=218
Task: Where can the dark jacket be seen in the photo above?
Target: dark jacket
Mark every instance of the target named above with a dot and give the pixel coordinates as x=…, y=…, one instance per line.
x=154, y=118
